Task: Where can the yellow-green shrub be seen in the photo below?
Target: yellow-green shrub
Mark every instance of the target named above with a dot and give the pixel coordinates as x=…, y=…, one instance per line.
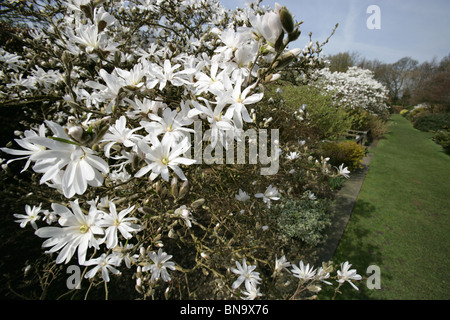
x=403, y=112
x=347, y=152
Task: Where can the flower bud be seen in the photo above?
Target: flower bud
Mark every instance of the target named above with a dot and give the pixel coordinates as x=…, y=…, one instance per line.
x=79, y=135
x=292, y=36
x=174, y=187
x=183, y=189
x=197, y=203
x=279, y=43
x=286, y=20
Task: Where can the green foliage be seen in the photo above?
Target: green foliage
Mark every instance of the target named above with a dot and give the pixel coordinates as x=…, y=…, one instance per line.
x=443, y=138
x=377, y=126
x=304, y=219
x=360, y=119
x=319, y=114
x=347, y=152
x=432, y=122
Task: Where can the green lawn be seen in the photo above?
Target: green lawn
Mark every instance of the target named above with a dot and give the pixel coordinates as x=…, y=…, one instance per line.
x=401, y=221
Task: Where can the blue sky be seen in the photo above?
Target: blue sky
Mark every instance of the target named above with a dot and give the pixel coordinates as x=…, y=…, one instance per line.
x=414, y=28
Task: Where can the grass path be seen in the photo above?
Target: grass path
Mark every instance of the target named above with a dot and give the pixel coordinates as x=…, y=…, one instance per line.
x=401, y=220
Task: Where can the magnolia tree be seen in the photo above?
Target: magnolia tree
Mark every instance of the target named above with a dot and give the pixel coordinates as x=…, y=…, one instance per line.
x=355, y=89
x=132, y=106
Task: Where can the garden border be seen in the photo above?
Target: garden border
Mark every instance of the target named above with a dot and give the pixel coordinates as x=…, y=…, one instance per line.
x=343, y=207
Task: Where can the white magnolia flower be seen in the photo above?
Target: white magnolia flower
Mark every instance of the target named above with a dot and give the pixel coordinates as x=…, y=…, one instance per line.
x=310, y=195
x=141, y=109
x=211, y=82
x=78, y=232
x=62, y=160
x=343, y=171
x=322, y=274
x=31, y=148
x=251, y=292
x=89, y=38
x=184, y=213
x=119, y=133
x=293, y=155
x=268, y=26
x=159, y=266
x=271, y=193
x=31, y=216
x=238, y=100
x=168, y=74
x=347, y=274
x=134, y=77
x=105, y=264
x=219, y=124
x=304, y=272
x=172, y=124
x=117, y=223
x=281, y=264
x=246, y=274
x=242, y=196
x=162, y=156
x=110, y=91
x=123, y=253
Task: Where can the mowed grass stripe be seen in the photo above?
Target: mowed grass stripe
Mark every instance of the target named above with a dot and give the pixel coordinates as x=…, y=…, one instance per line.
x=401, y=221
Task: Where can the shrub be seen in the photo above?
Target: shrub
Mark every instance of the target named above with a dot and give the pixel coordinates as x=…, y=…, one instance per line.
x=313, y=109
x=443, y=138
x=432, y=122
x=404, y=112
x=304, y=219
x=348, y=153
x=378, y=127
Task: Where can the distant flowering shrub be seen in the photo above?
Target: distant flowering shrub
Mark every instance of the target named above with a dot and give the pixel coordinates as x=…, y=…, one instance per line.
x=355, y=89
x=113, y=91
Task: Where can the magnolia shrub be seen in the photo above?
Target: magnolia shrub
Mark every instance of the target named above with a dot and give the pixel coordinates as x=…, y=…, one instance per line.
x=114, y=92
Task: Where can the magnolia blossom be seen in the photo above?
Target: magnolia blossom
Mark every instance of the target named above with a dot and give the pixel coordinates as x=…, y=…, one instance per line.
x=292, y=155
x=32, y=215
x=268, y=26
x=242, y=196
x=172, y=124
x=168, y=74
x=238, y=100
x=281, y=264
x=347, y=274
x=184, y=213
x=246, y=274
x=159, y=266
x=117, y=223
x=78, y=232
x=162, y=156
x=303, y=272
x=105, y=264
x=31, y=148
x=119, y=133
x=271, y=193
x=70, y=166
x=219, y=123
x=251, y=292
x=343, y=171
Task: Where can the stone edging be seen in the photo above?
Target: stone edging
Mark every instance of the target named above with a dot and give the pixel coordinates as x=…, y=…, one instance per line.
x=342, y=209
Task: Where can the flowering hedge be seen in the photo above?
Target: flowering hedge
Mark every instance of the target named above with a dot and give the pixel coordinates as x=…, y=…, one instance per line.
x=114, y=91
x=355, y=89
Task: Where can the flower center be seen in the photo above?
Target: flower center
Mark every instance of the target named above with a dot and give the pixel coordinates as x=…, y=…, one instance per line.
x=164, y=161
x=219, y=117
x=84, y=228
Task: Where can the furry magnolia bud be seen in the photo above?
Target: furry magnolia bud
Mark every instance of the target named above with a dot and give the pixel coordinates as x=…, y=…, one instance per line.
x=286, y=20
